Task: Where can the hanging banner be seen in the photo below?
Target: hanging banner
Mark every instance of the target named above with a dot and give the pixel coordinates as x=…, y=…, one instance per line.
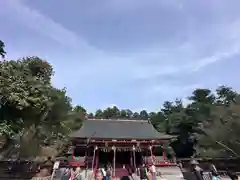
x=56, y=165
x=70, y=150
x=120, y=149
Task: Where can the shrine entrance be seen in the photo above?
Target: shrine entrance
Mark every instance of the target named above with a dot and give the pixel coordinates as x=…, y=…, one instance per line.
x=138, y=159
x=118, y=142
x=105, y=158
x=123, y=158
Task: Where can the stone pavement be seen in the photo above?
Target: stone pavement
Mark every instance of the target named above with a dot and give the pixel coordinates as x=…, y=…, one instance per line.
x=166, y=174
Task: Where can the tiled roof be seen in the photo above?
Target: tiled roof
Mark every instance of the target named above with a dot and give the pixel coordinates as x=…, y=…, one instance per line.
x=118, y=129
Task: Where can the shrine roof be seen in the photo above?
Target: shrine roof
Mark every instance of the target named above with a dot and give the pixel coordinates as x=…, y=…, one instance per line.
x=118, y=129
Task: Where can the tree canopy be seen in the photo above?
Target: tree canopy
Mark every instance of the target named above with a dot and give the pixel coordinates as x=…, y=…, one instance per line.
x=31, y=108
x=33, y=111
x=2, y=51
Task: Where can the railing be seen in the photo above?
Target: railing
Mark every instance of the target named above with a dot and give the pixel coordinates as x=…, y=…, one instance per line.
x=78, y=161
x=161, y=162
x=222, y=164
x=41, y=178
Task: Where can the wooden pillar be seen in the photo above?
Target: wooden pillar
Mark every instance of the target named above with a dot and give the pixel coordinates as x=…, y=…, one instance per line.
x=151, y=153
x=114, y=160
x=72, y=149
x=86, y=161
x=134, y=158
x=131, y=158
x=94, y=157
x=144, y=155
x=164, y=156
x=97, y=159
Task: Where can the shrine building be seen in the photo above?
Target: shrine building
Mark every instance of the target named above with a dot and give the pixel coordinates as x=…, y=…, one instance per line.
x=119, y=143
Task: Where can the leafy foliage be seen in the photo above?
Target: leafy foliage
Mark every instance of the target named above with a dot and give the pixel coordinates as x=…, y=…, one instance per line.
x=2, y=51
x=30, y=106
x=38, y=113
x=203, y=127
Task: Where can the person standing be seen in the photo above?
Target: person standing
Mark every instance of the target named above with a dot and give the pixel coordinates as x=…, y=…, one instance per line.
x=108, y=173
x=232, y=174
x=149, y=173
x=153, y=172
x=143, y=172
x=196, y=170
x=214, y=172
x=104, y=173
x=78, y=174
x=99, y=176
x=66, y=174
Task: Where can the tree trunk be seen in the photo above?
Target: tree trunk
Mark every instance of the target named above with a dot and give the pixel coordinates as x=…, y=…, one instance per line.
x=3, y=141
x=29, y=145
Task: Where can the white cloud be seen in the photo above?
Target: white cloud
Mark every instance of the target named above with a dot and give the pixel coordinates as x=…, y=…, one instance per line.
x=108, y=105
x=133, y=5
x=46, y=26
x=103, y=67
x=187, y=57
x=134, y=66
x=167, y=90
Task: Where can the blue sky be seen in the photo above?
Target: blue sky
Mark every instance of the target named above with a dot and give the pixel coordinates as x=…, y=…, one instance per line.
x=130, y=53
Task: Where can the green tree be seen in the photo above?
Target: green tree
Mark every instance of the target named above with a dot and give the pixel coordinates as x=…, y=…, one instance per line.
x=123, y=114
x=99, y=114
x=115, y=112
x=158, y=121
x=226, y=95
x=107, y=113
x=202, y=96
x=129, y=113
x=80, y=109
x=111, y=112
x=2, y=51
x=25, y=91
x=143, y=115
x=136, y=115
x=220, y=134
x=30, y=106
x=91, y=115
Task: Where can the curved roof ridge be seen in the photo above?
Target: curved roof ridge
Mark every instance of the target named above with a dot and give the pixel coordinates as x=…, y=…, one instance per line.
x=129, y=120
x=118, y=129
